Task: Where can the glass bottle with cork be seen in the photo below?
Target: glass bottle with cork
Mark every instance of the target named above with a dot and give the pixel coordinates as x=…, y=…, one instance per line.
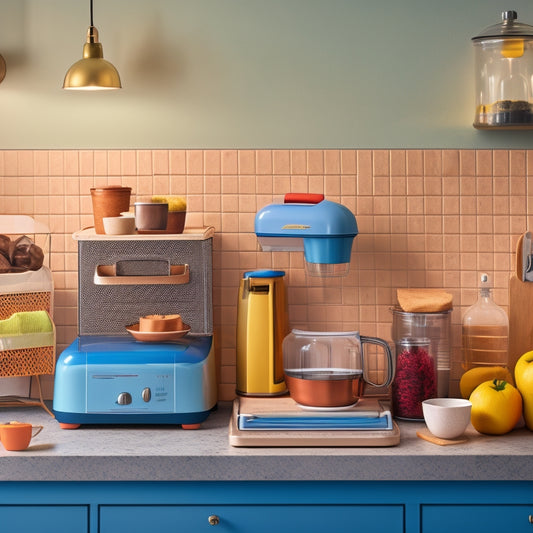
x=485, y=330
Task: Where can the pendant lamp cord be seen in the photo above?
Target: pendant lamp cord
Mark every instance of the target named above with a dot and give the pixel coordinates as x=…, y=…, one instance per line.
x=92, y=13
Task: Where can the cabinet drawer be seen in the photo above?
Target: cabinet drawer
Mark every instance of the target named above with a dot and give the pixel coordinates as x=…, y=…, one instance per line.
x=44, y=518
x=468, y=518
x=256, y=518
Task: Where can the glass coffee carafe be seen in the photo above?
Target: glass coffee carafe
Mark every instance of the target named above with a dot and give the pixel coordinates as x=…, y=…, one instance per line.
x=330, y=369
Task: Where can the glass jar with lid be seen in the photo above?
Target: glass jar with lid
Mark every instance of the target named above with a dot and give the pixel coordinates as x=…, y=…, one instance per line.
x=415, y=379
x=436, y=327
x=504, y=75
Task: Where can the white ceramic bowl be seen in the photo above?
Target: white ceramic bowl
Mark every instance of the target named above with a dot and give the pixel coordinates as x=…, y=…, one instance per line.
x=119, y=225
x=446, y=418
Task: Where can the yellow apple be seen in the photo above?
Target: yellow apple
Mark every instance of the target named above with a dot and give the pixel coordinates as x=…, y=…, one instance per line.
x=523, y=375
x=496, y=407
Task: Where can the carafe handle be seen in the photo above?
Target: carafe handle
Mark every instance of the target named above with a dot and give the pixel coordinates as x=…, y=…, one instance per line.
x=388, y=353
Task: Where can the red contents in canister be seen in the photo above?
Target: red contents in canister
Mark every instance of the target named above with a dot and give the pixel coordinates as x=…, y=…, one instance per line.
x=415, y=379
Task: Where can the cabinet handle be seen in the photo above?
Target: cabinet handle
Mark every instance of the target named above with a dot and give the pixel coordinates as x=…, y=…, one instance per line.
x=214, y=520
x=530, y=518
x=107, y=275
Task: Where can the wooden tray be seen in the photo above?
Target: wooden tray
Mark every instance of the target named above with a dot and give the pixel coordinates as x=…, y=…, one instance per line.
x=291, y=438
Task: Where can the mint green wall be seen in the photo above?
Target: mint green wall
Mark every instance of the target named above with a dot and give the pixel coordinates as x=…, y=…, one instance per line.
x=250, y=74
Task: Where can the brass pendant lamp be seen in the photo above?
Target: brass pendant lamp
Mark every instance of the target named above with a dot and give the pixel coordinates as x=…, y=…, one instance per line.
x=2, y=68
x=92, y=72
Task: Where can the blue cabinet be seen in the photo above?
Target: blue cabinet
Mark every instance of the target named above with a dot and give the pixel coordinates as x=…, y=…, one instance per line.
x=252, y=518
x=22, y=518
x=470, y=518
x=266, y=506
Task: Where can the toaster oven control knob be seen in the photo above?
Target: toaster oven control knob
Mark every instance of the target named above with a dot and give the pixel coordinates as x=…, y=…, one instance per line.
x=147, y=394
x=124, y=398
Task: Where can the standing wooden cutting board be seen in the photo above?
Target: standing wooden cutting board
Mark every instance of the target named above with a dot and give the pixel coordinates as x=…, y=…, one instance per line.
x=520, y=311
x=520, y=319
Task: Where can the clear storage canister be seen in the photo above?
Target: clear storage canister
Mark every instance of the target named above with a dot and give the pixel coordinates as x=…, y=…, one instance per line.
x=504, y=70
x=434, y=326
x=415, y=379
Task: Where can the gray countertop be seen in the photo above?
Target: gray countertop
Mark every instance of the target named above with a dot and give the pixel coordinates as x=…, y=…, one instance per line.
x=169, y=453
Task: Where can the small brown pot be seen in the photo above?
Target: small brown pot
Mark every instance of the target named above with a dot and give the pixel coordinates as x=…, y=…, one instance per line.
x=151, y=216
x=158, y=323
x=176, y=221
x=109, y=201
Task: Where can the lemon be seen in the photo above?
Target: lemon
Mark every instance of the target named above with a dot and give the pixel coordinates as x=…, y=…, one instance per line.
x=477, y=375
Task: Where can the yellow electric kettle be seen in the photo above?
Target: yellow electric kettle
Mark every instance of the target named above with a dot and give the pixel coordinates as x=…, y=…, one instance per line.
x=262, y=324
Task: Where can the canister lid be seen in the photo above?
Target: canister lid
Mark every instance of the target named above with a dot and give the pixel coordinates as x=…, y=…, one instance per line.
x=508, y=27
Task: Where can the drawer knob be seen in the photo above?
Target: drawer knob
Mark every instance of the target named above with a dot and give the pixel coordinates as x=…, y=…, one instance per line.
x=213, y=520
x=530, y=519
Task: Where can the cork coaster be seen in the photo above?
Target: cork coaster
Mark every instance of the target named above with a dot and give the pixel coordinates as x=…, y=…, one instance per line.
x=426, y=435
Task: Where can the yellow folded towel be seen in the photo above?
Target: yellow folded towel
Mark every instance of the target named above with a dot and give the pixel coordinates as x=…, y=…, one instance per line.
x=424, y=300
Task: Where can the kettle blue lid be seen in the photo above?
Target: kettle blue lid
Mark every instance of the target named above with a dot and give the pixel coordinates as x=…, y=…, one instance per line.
x=264, y=274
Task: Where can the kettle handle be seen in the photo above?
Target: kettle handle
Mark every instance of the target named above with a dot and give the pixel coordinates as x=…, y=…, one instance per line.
x=387, y=350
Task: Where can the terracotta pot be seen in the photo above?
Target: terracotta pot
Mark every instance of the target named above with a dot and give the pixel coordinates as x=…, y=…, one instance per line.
x=176, y=221
x=109, y=201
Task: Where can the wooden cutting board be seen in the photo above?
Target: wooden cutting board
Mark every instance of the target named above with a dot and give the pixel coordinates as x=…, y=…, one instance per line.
x=520, y=319
x=520, y=312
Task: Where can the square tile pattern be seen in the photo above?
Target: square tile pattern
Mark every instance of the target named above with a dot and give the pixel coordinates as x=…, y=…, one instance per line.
x=427, y=218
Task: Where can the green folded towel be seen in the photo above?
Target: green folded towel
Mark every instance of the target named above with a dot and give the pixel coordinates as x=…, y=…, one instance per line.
x=26, y=322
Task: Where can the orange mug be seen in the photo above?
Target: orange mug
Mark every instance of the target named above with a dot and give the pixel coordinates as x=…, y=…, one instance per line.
x=16, y=436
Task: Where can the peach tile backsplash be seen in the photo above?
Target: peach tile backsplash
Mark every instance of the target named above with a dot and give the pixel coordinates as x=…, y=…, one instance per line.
x=427, y=218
